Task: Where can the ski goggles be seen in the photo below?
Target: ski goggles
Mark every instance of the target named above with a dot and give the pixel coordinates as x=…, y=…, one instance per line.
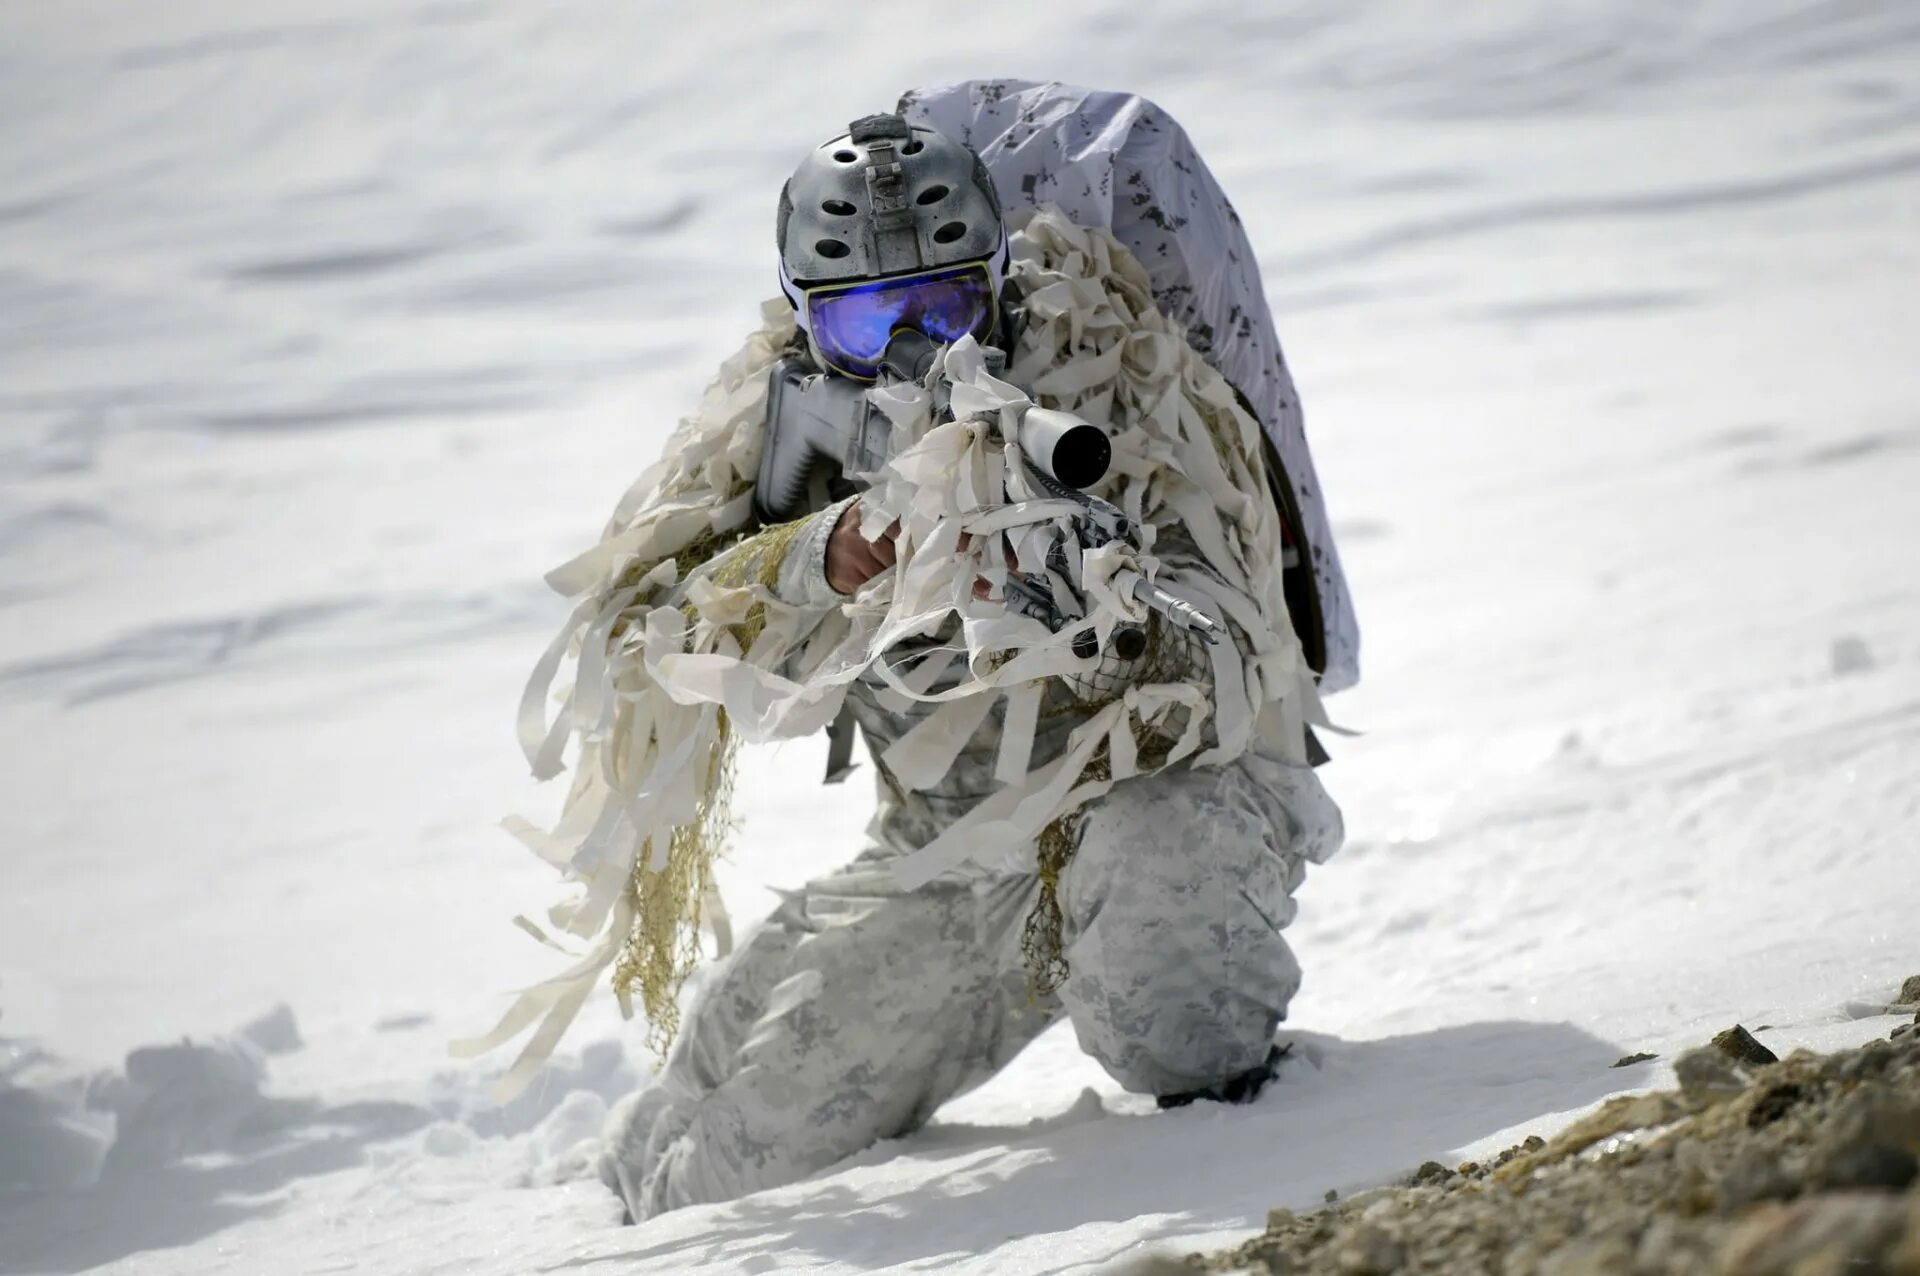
x=851, y=324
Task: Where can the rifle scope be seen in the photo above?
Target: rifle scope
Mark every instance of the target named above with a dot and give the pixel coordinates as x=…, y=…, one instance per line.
x=1067, y=449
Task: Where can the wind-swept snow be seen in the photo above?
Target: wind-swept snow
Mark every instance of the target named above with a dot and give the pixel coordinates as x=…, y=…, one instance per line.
x=326, y=328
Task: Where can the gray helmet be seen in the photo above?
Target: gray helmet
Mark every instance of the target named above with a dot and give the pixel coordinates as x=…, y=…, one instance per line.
x=886, y=198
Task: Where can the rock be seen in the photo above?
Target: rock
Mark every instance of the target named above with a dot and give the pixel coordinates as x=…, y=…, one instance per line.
x=1280, y=1218
x=1627, y=1061
x=1752, y=1178
x=1905, y=1258
x=1668, y=1246
x=1693, y=1158
x=1870, y=1139
x=1885, y=1114
x=1365, y=1200
x=1370, y=1250
x=1812, y=1170
x=1610, y=1255
x=1867, y=1165
x=1274, y=1262
x=1737, y=1043
x=1827, y=1235
x=1774, y=1103
x=1656, y=1251
x=1709, y=1075
x=1868, y=1061
x=1910, y=991
x=1617, y=1115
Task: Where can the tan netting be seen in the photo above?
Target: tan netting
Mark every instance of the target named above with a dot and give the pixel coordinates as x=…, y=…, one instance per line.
x=663, y=943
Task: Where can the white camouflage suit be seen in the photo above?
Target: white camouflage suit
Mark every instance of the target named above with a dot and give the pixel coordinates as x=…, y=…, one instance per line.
x=858, y=1008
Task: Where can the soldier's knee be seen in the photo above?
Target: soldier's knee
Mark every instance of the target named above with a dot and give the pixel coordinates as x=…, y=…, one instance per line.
x=1174, y=904
x=1168, y=1014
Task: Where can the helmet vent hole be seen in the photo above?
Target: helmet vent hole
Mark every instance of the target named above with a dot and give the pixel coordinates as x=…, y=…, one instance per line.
x=913, y=147
x=845, y=156
x=832, y=248
x=950, y=232
x=838, y=207
x=931, y=195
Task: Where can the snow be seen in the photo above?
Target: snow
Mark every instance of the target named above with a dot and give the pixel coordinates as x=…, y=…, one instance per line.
x=326, y=328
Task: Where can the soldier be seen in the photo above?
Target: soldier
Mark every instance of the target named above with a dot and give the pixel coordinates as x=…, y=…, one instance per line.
x=860, y=1006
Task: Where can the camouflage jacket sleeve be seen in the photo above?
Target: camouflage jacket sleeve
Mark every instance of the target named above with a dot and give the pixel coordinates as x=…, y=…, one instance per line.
x=788, y=559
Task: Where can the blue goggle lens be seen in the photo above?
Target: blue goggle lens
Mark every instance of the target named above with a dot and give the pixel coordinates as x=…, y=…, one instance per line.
x=852, y=326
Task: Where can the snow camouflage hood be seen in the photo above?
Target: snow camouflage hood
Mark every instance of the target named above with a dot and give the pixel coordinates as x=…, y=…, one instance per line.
x=1116, y=160
x=673, y=668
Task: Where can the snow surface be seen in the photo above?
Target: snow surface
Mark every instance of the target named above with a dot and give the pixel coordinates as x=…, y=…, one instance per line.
x=327, y=325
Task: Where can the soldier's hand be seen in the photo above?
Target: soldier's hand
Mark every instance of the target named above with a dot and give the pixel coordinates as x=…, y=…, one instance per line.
x=852, y=559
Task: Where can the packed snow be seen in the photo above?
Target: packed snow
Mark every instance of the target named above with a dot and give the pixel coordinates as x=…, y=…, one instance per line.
x=326, y=326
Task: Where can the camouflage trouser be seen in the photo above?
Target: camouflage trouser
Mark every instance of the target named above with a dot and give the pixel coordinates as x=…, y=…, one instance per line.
x=856, y=1009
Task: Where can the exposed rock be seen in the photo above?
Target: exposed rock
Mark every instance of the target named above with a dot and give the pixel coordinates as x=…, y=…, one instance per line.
x=1804, y=1167
x=1775, y=1102
x=1623, y=1114
x=1369, y=1250
x=1904, y=1260
x=1741, y=1044
x=1753, y=1177
x=1608, y=1255
x=1834, y=1233
x=1868, y=1061
x=1627, y=1061
x=1867, y=1166
x=1709, y=1075
x=1910, y=991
